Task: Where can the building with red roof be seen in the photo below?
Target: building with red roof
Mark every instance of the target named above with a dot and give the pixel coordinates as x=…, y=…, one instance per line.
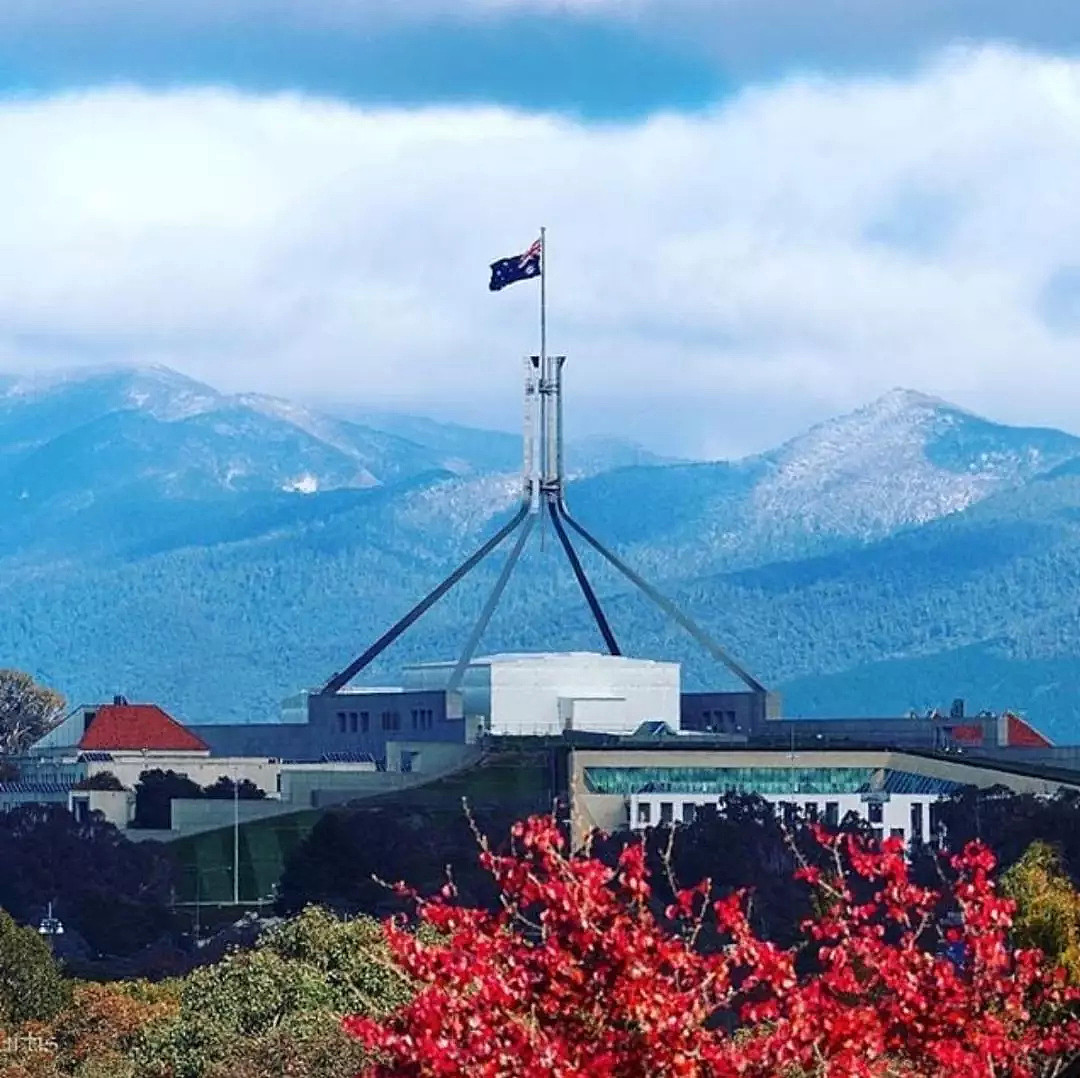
x=123, y=727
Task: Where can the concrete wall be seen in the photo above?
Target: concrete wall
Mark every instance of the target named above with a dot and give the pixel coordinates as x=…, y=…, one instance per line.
x=117, y=806
x=427, y=757
x=300, y=783
x=608, y=716
x=189, y=816
x=722, y=712
x=352, y=722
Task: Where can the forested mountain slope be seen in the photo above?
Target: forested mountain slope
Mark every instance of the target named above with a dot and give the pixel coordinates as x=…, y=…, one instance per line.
x=215, y=553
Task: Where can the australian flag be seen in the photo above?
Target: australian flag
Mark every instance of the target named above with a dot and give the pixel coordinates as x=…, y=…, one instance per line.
x=518, y=268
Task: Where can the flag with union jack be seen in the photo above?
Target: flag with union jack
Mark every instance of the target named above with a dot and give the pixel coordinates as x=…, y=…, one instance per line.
x=518, y=267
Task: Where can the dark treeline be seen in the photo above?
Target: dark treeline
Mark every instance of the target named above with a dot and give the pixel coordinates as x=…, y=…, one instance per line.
x=114, y=896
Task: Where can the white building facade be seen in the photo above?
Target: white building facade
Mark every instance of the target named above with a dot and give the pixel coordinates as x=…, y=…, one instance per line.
x=551, y=693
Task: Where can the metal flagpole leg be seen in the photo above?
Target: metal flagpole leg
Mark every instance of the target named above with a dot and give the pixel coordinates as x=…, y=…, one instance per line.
x=669, y=608
x=559, y=361
x=339, y=681
x=583, y=580
x=493, y=601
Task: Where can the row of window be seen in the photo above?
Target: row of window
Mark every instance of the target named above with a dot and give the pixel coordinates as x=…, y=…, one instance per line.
x=423, y=718
x=359, y=722
x=719, y=780
x=830, y=817
x=720, y=722
x=689, y=811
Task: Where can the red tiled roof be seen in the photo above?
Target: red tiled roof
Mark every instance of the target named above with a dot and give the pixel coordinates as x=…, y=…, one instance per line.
x=1021, y=733
x=116, y=727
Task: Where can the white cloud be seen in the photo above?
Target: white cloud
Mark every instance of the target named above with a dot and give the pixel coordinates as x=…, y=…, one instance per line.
x=715, y=278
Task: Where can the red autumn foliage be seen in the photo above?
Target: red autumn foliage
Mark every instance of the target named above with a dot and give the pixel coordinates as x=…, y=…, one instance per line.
x=577, y=975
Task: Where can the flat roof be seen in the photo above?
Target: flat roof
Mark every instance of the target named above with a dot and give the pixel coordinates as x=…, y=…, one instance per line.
x=541, y=656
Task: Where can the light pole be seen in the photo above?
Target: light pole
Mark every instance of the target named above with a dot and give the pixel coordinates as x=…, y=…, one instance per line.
x=236, y=840
x=51, y=927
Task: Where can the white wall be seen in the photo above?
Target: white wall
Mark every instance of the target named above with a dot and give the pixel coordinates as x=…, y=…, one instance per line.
x=609, y=693
x=520, y=694
x=117, y=806
x=600, y=692
x=896, y=811
x=204, y=770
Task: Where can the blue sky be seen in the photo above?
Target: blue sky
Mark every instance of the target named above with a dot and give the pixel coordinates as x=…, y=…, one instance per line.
x=761, y=211
x=593, y=68
x=597, y=59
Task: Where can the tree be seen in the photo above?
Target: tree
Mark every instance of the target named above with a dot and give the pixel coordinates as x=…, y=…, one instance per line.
x=1047, y=906
x=154, y=793
x=102, y=780
x=574, y=974
x=280, y=1004
x=27, y=711
x=105, y=1022
x=246, y=790
x=341, y=862
x=31, y=985
x=111, y=891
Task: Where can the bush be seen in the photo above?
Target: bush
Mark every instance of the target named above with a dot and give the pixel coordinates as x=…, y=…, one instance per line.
x=103, y=780
x=283, y=1000
x=576, y=974
x=31, y=985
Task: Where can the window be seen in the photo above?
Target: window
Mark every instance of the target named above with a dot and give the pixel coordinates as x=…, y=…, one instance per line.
x=80, y=809
x=341, y=721
x=644, y=812
x=689, y=809
x=352, y=722
x=732, y=725
x=667, y=812
x=364, y=721
x=391, y=720
x=896, y=832
x=832, y=813
x=874, y=812
x=415, y=718
x=811, y=810
x=878, y=833
x=916, y=821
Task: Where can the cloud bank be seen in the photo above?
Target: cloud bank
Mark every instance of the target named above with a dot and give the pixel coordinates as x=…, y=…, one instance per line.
x=717, y=279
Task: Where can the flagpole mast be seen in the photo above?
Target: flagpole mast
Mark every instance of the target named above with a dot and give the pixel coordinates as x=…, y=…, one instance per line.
x=543, y=298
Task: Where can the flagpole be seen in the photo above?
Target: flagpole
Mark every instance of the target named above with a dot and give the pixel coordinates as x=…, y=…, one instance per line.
x=543, y=298
x=545, y=395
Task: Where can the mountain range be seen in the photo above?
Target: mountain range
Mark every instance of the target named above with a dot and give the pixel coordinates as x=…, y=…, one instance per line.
x=216, y=552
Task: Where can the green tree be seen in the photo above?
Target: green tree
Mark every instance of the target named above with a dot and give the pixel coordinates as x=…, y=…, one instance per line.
x=27, y=711
x=246, y=790
x=31, y=985
x=154, y=793
x=1048, y=908
x=283, y=1000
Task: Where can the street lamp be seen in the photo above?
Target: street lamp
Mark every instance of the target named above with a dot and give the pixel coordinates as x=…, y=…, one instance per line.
x=51, y=926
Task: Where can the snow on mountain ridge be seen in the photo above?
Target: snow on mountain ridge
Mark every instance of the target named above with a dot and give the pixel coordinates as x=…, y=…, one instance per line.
x=872, y=471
